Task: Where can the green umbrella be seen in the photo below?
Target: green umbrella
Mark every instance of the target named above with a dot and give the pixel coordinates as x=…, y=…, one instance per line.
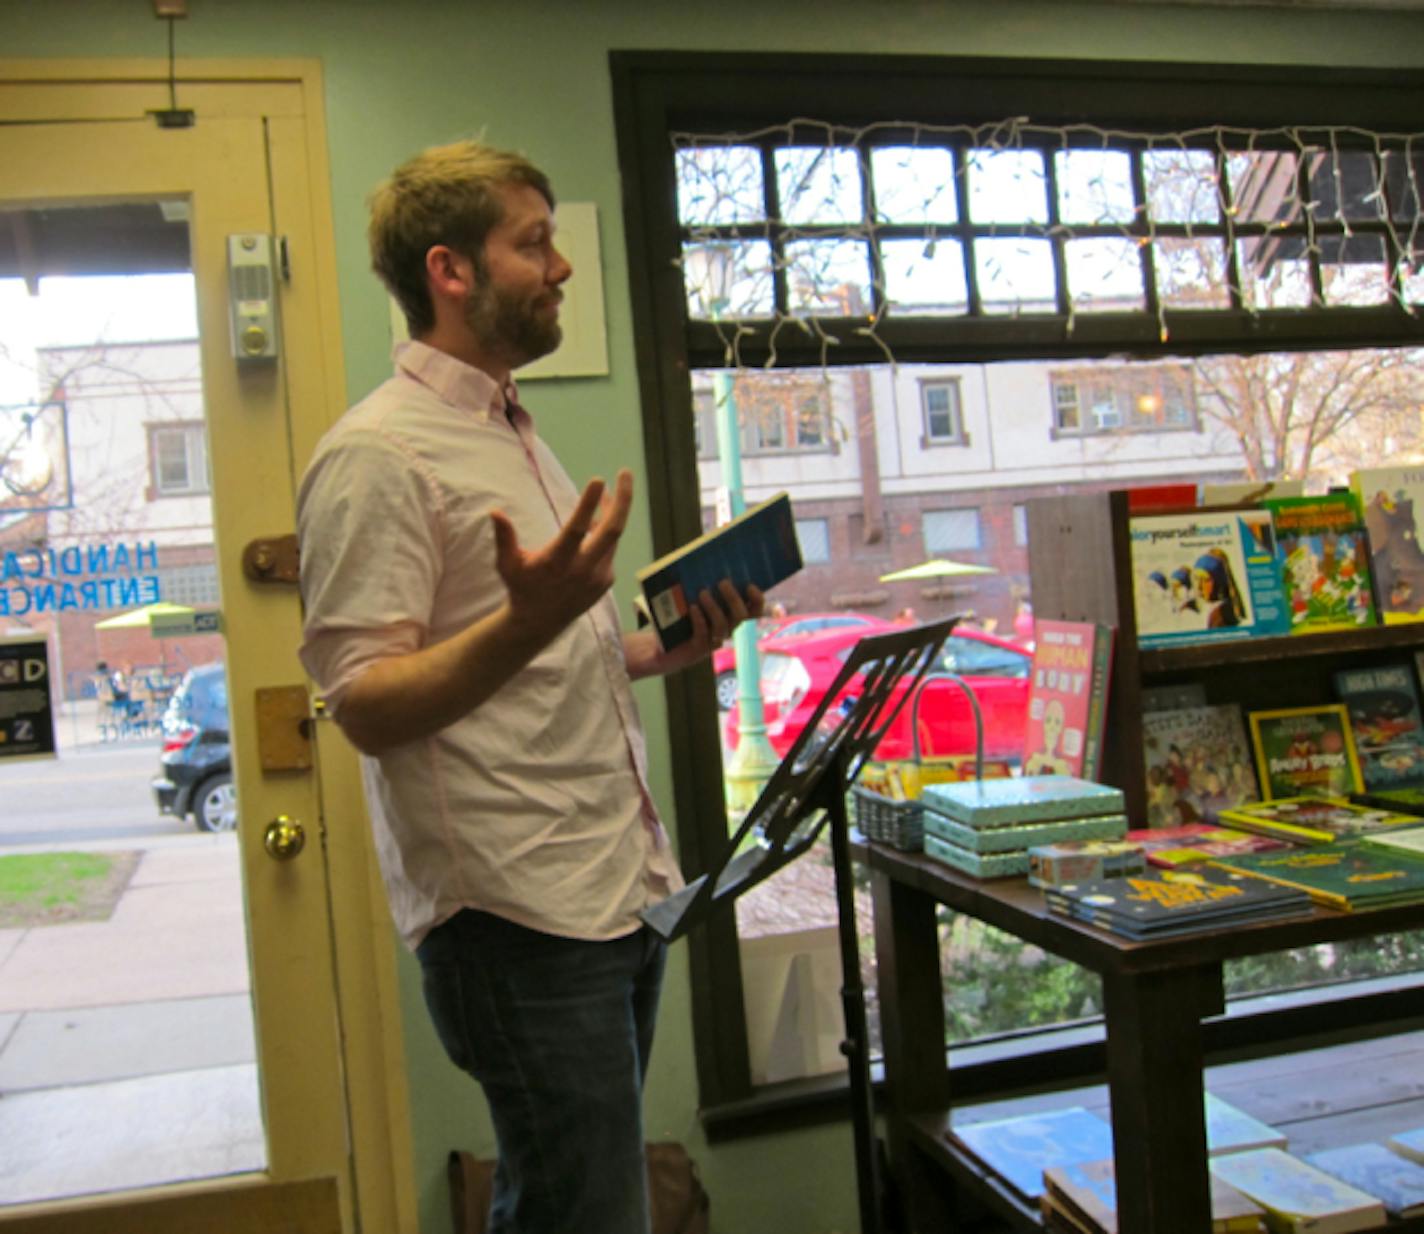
x=937, y=567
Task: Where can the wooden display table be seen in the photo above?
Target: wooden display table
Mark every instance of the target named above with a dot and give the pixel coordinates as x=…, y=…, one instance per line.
x=1155, y=995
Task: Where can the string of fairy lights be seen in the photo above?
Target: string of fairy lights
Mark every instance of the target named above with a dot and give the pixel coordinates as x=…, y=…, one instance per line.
x=788, y=227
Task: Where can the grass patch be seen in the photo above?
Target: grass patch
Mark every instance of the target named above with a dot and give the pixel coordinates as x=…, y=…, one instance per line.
x=38, y=889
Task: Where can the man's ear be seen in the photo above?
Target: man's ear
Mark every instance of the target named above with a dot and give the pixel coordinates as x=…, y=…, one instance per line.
x=451, y=273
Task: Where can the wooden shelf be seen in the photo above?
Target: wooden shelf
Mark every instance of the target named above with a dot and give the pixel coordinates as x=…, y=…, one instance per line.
x=1155, y=661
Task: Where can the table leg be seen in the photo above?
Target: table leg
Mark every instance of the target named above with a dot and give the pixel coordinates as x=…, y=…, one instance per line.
x=1154, y=1056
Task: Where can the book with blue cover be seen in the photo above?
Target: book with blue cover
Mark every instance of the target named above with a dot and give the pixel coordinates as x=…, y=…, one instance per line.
x=757, y=547
x=1231, y=1130
x=1299, y=1198
x=1019, y=1149
x=1088, y=1191
x=1395, y=1180
x=1409, y=1143
x=1022, y=799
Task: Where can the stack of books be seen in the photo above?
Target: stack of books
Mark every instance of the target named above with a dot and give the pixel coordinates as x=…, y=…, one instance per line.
x=1347, y=876
x=986, y=827
x=1161, y=903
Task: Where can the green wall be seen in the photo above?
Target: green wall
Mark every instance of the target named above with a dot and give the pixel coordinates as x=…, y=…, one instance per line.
x=534, y=75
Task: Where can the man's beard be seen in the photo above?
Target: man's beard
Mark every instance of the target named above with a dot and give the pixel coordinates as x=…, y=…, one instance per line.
x=517, y=327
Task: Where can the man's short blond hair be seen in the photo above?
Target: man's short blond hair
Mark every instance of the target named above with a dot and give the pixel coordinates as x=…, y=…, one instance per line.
x=444, y=195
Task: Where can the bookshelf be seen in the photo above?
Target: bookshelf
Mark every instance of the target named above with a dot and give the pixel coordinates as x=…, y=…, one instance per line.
x=1080, y=568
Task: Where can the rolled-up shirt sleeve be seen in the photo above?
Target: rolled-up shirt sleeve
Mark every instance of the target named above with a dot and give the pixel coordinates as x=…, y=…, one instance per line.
x=369, y=520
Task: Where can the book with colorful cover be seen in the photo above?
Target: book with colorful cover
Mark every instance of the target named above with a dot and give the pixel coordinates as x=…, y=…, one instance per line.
x=1194, y=843
x=1157, y=903
x=1392, y=499
x=1346, y=876
x=1305, y=752
x=1316, y=820
x=1324, y=562
x=1067, y=698
x=1205, y=575
x=1199, y=762
x=1387, y=724
x=1298, y=1198
x=1393, y=1179
x=1019, y=1149
x=757, y=547
x=1408, y=1143
x=1232, y=1130
x=1087, y=1191
x=1022, y=799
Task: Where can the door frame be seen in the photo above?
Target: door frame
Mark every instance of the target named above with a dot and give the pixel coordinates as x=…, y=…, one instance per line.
x=367, y=994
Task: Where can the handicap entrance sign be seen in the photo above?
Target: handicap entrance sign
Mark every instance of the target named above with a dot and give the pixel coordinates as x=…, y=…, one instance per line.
x=26, y=706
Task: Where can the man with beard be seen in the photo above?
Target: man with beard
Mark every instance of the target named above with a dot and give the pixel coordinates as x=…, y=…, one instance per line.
x=487, y=685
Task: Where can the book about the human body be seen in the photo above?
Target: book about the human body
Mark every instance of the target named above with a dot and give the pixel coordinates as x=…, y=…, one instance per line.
x=1208, y=574
x=1347, y=875
x=1324, y=562
x=1305, y=752
x=1198, y=763
x=1393, y=1179
x=1067, y=698
x=1316, y=820
x=1387, y=724
x=1298, y=1198
x=1019, y=1149
x=1392, y=499
x=758, y=547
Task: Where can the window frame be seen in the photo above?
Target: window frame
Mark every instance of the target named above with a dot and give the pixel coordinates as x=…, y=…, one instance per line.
x=957, y=435
x=658, y=93
x=194, y=460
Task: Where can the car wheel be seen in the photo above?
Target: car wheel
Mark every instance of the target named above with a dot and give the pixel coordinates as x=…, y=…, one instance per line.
x=726, y=690
x=215, y=804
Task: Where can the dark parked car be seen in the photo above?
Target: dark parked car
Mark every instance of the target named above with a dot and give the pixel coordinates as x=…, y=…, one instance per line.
x=195, y=768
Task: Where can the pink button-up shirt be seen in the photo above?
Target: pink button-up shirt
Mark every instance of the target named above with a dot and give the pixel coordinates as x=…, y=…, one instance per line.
x=535, y=805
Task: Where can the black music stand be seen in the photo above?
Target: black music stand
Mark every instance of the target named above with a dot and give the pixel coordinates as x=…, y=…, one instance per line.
x=807, y=791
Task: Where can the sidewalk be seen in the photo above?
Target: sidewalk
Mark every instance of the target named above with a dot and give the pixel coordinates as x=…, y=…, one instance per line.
x=126, y=1046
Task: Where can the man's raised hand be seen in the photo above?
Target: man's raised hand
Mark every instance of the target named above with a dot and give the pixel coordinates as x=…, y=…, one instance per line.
x=552, y=585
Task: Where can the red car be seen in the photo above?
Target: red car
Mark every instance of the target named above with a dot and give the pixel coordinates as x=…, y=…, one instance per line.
x=800, y=625
x=796, y=673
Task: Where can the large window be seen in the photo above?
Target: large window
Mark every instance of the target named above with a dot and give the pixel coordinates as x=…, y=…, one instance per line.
x=1139, y=287
x=178, y=459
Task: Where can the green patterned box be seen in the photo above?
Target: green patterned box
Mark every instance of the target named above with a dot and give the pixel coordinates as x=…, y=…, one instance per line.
x=981, y=865
x=1024, y=835
x=1022, y=799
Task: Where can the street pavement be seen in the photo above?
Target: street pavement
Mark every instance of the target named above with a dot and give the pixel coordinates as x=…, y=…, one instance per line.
x=127, y=1053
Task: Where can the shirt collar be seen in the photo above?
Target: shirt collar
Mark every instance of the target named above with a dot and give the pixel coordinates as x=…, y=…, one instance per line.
x=459, y=384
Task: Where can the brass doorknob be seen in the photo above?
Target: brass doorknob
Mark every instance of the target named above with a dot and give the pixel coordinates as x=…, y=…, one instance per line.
x=284, y=838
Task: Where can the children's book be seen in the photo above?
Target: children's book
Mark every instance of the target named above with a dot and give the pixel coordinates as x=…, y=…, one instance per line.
x=1346, y=876
x=1020, y=1149
x=1392, y=499
x=1396, y=1181
x=1298, y=1198
x=1231, y=1130
x=1316, y=820
x=758, y=547
x=1408, y=1144
x=1386, y=722
x=1205, y=575
x=1194, y=843
x=1023, y=799
x=1305, y=752
x=1087, y=1192
x=1324, y=562
x=1159, y=903
x=1199, y=762
x=1067, y=698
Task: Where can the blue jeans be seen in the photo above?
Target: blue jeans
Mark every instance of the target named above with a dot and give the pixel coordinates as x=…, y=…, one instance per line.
x=557, y=1032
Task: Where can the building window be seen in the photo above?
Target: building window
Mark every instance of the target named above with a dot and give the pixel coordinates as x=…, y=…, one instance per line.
x=814, y=536
x=949, y=531
x=1021, y=525
x=777, y=413
x=178, y=459
x=943, y=413
x=195, y=585
x=1109, y=398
